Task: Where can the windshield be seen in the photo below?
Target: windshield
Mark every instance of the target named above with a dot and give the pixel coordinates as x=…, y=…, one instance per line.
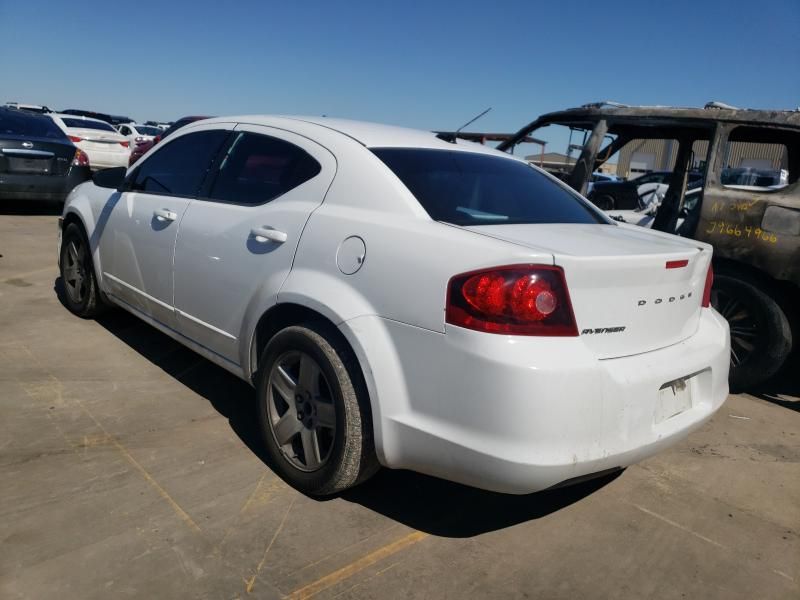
x=86, y=124
x=13, y=122
x=466, y=188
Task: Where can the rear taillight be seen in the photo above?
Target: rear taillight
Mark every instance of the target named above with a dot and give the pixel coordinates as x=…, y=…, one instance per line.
x=156, y=140
x=75, y=138
x=124, y=144
x=707, y=288
x=514, y=300
x=81, y=159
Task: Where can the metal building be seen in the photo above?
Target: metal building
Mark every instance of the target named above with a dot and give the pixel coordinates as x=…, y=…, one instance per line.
x=642, y=156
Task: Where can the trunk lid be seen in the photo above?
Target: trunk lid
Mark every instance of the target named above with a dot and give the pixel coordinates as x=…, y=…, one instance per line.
x=632, y=290
x=29, y=155
x=99, y=140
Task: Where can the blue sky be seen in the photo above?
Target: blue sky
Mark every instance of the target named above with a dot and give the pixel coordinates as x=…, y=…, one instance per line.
x=428, y=64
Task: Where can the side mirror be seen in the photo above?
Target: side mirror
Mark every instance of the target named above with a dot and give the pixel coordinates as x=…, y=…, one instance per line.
x=110, y=178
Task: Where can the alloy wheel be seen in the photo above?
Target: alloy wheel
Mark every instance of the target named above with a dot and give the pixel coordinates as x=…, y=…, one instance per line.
x=74, y=273
x=301, y=411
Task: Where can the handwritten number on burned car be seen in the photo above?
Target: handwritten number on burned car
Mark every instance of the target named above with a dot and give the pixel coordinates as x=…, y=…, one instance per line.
x=398, y=299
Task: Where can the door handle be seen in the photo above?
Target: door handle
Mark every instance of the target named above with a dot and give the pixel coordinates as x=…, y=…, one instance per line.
x=164, y=214
x=267, y=234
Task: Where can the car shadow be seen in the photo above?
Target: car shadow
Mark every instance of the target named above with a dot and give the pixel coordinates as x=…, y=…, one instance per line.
x=424, y=503
x=30, y=207
x=447, y=509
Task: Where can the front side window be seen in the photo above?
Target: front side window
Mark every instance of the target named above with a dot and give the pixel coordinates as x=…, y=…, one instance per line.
x=179, y=167
x=258, y=168
x=466, y=188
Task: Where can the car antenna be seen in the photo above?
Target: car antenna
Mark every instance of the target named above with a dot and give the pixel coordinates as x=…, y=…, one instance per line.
x=451, y=137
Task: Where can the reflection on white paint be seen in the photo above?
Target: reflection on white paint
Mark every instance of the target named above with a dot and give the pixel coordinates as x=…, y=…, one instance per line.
x=129, y=204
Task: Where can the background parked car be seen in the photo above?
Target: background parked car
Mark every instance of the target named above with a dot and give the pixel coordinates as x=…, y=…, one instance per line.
x=182, y=122
x=141, y=148
x=112, y=119
x=34, y=108
x=138, y=133
x=37, y=160
x=104, y=145
x=600, y=177
x=161, y=125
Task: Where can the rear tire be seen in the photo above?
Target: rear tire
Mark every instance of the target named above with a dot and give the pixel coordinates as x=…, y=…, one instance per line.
x=314, y=411
x=81, y=293
x=761, y=338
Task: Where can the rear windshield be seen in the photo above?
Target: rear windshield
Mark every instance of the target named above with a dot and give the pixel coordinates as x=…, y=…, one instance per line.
x=146, y=130
x=466, y=188
x=13, y=122
x=84, y=124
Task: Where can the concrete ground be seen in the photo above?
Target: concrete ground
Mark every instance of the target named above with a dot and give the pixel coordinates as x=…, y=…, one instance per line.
x=130, y=467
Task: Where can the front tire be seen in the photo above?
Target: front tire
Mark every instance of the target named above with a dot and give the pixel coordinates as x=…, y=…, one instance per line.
x=761, y=338
x=81, y=292
x=314, y=411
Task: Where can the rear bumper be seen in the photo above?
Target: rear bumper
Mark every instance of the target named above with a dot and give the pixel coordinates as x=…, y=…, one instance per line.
x=41, y=187
x=106, y=159
x=518, y=415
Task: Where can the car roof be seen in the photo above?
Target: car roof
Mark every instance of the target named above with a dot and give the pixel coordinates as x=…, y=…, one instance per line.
x=371, y=135
x=711, y=112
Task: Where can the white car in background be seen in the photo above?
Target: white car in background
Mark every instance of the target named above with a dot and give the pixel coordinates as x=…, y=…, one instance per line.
x=137, y=133
x=405, y=300
x=104, y=145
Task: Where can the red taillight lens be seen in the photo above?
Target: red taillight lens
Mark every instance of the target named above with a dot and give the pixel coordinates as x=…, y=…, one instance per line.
x=156, y=140
x=75, y=138
x=124, y=144
x=515, y=300
x=707, y=288
x=81, y=159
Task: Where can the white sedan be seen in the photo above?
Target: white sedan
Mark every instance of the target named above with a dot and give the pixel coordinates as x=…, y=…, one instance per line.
x=404, y=300
x=103, y=144
x=138, y=133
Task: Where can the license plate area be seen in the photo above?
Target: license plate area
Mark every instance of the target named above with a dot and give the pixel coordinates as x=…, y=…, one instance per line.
x=29, y=165
x=674, y=397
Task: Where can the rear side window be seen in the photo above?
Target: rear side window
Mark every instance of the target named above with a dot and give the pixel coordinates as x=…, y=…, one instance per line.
x=759, y=159
x=259, y=168
x=179, y=167
x=13, y=122
x=84, y=124
x=467, y=188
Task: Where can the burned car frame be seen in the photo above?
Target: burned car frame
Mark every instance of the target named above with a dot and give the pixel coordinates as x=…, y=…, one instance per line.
x=754, y=228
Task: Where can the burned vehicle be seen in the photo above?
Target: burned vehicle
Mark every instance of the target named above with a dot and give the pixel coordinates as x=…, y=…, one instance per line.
x=747, y=205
